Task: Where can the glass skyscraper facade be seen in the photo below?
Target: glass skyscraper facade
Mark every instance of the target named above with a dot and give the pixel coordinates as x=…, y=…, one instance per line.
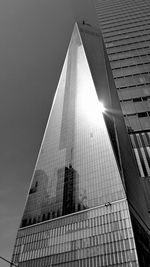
x=126, y=31
x=85, y=205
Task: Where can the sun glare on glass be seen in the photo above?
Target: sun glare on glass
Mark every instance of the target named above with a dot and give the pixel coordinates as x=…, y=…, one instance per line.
x=101, y=107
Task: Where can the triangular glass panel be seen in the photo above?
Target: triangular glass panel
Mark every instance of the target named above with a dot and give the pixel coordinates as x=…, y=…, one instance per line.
x=76, y=168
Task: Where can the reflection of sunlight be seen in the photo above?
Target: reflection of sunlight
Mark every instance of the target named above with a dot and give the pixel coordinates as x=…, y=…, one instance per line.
x=102, y=108
x=88, y=104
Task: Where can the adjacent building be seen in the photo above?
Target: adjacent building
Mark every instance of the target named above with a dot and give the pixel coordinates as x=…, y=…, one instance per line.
x=126, y=31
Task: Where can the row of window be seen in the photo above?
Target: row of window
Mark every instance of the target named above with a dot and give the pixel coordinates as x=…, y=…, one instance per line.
x=136, y=99
x=111, y=224
x=48, y=216
x=137, y=105
x=118, y=9
x=123, y=17
x=135, y=52
x=130, y=61
x=134, y=92
x=131, y=70
x=128, y=47
x=81, y=254
x=131, y=34
x=127, y=39
x=62, y=245
x=88, y=235
x=107, y=5
x=123, y=259
x=137, y=123
x=119, y=21
x=125, y=26
x=140, y=115
x=132, y=81
x=125, y=31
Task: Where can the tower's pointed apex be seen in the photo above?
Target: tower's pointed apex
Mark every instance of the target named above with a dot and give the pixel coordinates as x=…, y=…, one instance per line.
x=76, y=132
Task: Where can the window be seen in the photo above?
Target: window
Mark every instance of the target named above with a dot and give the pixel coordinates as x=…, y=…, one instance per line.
x=137, y=99
x=48, y=216
x=43, y=217
x=24, y=222
x=34, y=220
x=142, y=114
x=30, y=221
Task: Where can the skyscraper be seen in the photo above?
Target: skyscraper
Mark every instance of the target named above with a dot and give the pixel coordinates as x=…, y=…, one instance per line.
x=85, y=205
x=126, y=31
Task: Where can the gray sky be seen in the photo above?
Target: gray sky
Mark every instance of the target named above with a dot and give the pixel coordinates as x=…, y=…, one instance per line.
x=34, y=35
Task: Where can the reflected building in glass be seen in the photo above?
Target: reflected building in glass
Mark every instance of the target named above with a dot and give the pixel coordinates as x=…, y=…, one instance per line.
x=85, y=205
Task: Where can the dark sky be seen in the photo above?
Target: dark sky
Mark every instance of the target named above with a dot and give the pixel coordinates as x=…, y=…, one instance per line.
x=34, y=35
